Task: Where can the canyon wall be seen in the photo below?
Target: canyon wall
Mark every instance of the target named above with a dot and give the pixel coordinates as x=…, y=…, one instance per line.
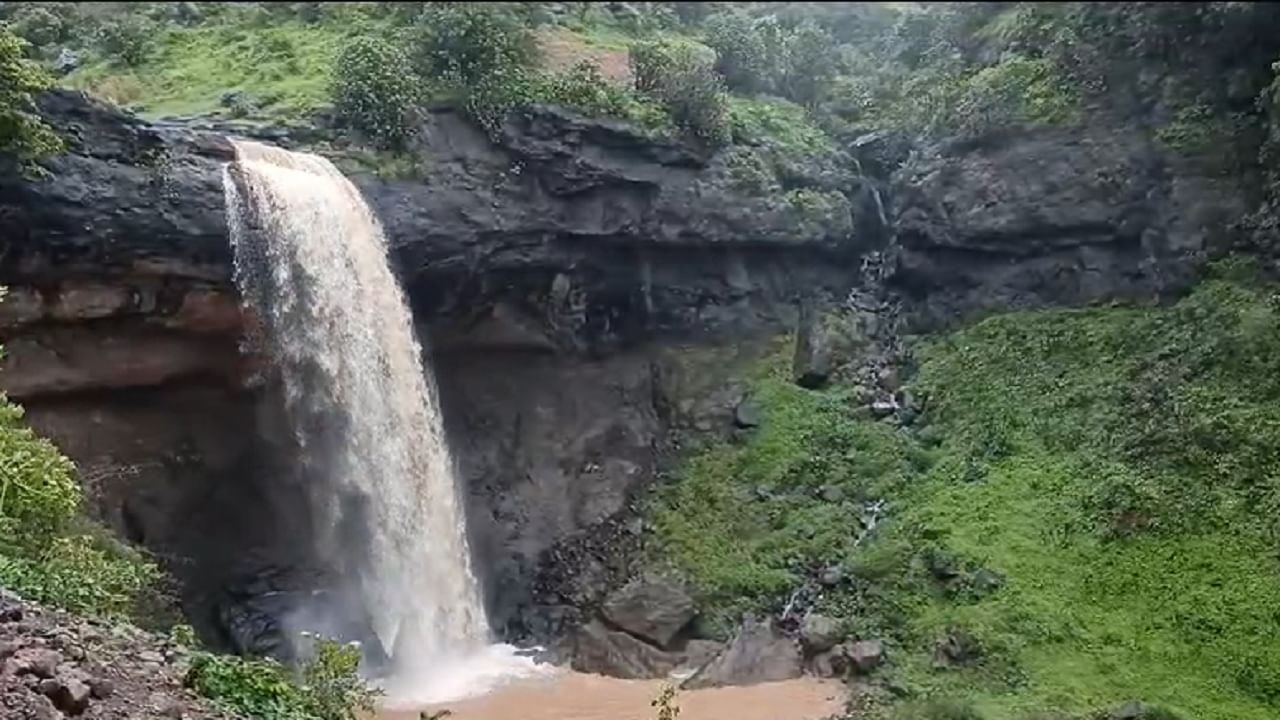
x=563, y=273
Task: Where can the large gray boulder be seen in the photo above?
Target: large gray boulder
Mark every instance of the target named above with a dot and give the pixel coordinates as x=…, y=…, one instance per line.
x=650, y=607
x=597, y=649
x=758, y=653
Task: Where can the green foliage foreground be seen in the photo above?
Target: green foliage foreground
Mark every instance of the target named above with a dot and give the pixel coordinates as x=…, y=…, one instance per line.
x=1095, y=512
x=325, y=687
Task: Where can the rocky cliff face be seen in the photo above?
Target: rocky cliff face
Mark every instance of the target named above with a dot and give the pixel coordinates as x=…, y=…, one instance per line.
x=1054, y=217
x=558, y=272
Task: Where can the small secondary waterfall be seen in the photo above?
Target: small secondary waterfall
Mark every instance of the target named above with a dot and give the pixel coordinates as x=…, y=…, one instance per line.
x=311, y=263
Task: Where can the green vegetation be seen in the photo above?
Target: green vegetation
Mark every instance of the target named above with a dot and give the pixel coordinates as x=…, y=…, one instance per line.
x=936, y=69
x=374, y=90
x=23, y=135
x=48, y=551
x=284, y=68
x=748, y=522
x=680, y=76
x=325, y=687
x=1087, y=508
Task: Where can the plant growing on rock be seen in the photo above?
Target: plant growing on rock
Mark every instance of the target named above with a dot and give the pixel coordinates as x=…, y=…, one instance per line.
x=681, y=76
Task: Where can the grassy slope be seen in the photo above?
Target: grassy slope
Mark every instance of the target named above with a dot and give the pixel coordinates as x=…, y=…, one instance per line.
x=284, y=67
x=189, y=69
x=1117, y=468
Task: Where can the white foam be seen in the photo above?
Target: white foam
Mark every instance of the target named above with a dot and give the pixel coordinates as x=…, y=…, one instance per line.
x=458, y=677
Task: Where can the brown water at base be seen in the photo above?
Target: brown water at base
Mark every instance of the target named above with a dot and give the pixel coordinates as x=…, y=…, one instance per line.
x=576, y=696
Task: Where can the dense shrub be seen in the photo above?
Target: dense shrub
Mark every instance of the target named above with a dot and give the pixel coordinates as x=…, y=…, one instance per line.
x=38, y=25
x=480, y=54
x=23, y=135
x=375, y=91
x=584, y=89
x=681, y=76
x=1017, y=90
x=126, y=38
x=809, y=64
x=325, y=687
x=748, y=51
x=462, y=43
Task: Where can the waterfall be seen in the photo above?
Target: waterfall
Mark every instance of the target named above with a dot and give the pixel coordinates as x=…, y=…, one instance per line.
x=311, y=264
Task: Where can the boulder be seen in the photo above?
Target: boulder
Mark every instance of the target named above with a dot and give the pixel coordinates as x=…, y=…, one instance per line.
x=812, y=364
x=68, y=694
x=697, y=653
x=758, y=653
x=650, y=607
x=597, y=649
x=746, y=414
x=956, y=648
x=865, y=655
x=40, y=662
x=819, y=633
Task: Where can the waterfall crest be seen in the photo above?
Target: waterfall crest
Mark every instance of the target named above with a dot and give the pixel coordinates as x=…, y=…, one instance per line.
x=311, y=264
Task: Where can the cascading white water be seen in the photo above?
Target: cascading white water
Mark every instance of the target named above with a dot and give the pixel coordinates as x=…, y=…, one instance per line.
x=311, y=263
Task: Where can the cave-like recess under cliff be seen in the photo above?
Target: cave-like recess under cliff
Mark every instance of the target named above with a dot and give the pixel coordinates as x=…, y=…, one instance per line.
x=557, y=272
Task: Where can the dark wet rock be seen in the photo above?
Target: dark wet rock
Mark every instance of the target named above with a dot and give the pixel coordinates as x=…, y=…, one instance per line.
x=757, y=653
x=650, y=607
x=697, y=653
x=746, y=414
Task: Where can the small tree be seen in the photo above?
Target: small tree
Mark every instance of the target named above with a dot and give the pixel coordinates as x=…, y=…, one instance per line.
x=23, y=135
x=460, y=43
x=683, y=78
x=375, y=91
x=809, y=64
x=743, y=56
x=127, y=38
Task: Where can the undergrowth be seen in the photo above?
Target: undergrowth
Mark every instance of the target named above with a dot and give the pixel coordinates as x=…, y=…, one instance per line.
x=747, y=522
x=325, y=687
x=1088, y=507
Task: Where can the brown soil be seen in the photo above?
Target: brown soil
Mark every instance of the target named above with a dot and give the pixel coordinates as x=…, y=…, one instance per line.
x=562, y=49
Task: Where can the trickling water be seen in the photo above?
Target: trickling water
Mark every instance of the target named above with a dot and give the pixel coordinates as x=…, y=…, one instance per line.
x=311, y=263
